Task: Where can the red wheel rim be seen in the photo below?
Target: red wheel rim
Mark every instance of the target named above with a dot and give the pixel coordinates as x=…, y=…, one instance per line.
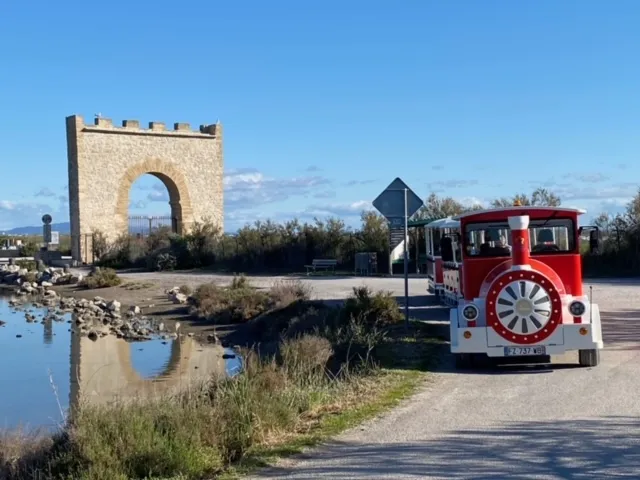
x=516, y=304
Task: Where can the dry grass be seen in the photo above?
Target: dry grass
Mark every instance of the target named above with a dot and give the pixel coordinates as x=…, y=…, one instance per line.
x=241, y=302
x=22, y=453
x=136, y=285
x=285, y=292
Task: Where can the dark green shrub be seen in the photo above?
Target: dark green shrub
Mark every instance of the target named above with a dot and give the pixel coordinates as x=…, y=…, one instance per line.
x=29, y=249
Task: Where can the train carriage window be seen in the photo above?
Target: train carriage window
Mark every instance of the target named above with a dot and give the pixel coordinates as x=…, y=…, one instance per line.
x=436, y=242
x=555, y=235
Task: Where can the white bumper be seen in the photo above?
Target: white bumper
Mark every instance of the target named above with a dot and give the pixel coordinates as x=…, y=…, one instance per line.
x=567, y=337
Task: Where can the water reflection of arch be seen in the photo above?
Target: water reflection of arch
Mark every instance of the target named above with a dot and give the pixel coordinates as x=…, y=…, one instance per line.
x=180, y=348
x=102, y=371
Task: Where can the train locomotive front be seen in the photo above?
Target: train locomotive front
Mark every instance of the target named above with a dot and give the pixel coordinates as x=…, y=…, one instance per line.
x=521, y=300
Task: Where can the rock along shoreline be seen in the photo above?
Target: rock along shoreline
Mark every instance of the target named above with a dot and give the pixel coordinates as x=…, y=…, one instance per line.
x=93, y=318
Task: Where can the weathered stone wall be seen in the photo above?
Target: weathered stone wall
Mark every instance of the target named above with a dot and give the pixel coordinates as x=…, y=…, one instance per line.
x=105, y=160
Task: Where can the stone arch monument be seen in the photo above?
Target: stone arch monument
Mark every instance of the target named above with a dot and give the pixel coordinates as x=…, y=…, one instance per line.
x=105, y=160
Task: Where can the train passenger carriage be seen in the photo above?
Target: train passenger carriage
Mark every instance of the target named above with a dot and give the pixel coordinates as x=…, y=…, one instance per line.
x=520, y=290
x=443, y=277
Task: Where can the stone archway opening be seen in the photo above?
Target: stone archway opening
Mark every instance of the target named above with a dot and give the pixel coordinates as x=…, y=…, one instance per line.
x=154, y=203
x=175, y=186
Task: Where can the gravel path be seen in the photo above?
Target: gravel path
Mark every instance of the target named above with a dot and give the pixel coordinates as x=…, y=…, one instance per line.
x=546, y=422
x=324, y=287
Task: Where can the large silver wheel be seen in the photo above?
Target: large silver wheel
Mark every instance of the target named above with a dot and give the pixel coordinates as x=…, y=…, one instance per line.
x=523, y=307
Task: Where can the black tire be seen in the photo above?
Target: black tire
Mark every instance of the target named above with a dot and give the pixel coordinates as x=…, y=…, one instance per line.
x=463, y=361
x=481, y=360
x=589, y=358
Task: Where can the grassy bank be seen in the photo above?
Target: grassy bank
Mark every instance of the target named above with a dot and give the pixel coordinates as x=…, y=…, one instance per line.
x=324, y=370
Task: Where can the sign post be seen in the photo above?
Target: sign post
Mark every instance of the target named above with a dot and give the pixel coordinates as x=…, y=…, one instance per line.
x=46, y=229
x=397, y=203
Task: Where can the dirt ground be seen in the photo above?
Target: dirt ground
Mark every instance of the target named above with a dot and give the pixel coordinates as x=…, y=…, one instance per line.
x=147, y=291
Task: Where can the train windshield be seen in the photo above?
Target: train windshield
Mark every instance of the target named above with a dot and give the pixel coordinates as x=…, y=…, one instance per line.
x=493, y=239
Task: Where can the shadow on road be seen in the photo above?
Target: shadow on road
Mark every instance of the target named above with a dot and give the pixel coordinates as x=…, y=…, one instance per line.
x=610, y=281
x=621, y=330
x=557, y=449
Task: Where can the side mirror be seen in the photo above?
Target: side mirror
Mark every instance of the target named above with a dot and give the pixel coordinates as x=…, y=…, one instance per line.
x=594, y=237
x=594, y=241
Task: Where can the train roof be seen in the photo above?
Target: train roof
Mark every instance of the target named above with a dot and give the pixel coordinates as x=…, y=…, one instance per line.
x=518, y=210
x=447, y=222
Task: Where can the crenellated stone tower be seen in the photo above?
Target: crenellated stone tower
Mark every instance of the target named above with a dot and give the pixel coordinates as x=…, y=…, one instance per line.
x=105, y=160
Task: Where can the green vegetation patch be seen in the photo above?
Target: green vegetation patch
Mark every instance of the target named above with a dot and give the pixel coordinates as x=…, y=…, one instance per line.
x=103, y=278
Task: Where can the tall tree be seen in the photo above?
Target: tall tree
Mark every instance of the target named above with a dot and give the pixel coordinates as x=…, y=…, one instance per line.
x=545, y=198
x=540, y=197
x=633, y=210
x=436, y=207
x=374, y=232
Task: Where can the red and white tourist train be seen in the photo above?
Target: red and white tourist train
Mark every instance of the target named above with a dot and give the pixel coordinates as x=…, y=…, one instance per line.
x=513, y=277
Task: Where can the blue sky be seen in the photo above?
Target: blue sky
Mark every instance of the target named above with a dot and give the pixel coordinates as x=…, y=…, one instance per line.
x=324, y=103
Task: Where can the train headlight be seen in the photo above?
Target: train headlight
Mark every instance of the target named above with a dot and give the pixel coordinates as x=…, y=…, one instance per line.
x=470, y=312
x=577, y=308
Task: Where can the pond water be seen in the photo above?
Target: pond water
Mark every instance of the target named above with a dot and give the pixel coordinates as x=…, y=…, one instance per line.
x=46, y=368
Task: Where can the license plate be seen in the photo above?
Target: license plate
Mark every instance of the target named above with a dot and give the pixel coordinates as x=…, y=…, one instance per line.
x=516, y=351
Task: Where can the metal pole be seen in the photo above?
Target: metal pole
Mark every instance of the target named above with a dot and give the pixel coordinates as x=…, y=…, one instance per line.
x=390, y=260
x=406, y=262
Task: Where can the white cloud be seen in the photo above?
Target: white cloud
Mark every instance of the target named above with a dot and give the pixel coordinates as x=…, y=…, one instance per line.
x=621, y=191
x=589, y=178
x=325, y=194
x=442, y=186
x=19, y=214
x=339, y=209
x=472, y=201
x=159, y=193
x=348, y=212
x=7, y=205
x=138, y=205
x=45, y=192
x=249, y=188
x=352, y=183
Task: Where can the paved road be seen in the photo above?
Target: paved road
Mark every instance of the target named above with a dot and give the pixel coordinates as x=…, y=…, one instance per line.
x=555, y=422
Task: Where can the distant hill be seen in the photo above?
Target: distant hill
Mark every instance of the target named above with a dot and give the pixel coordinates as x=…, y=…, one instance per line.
x=64, y=229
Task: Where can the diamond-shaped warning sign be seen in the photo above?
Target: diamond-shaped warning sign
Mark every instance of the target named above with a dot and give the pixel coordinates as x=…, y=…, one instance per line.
x=390, y=202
